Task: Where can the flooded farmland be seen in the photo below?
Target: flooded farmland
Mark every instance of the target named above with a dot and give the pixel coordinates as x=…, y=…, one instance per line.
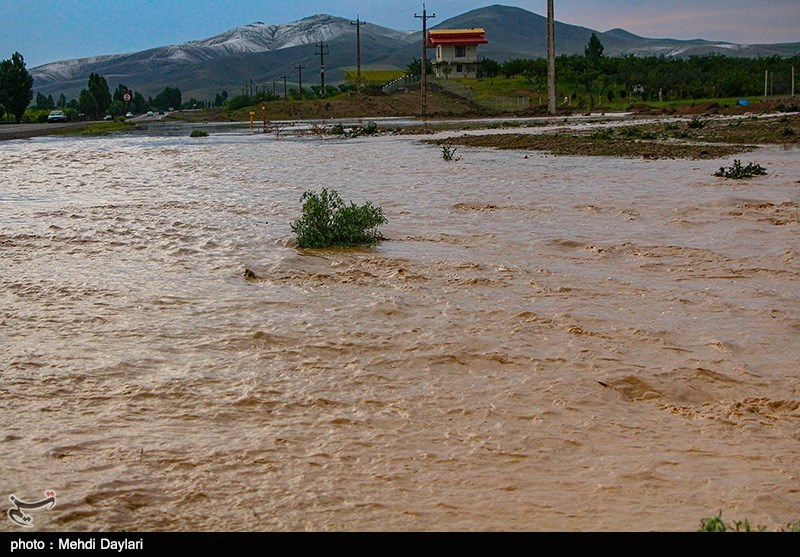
x=542, y=343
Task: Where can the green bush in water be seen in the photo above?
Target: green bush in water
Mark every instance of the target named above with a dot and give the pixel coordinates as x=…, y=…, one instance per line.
x=327, y=221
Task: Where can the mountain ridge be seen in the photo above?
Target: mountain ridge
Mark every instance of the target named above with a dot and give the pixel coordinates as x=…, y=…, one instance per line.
x=265, y=52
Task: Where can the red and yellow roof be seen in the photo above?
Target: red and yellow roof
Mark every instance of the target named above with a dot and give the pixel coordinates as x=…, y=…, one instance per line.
x=457, y=37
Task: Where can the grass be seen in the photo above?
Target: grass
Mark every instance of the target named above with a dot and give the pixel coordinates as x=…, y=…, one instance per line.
x=97, y=128
x=588, y=145
x=328, y=222
x=198, y=133
x=716, y=524
x=518, y=86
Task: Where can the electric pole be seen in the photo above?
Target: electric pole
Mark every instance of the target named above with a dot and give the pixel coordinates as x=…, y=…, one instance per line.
x=358, y=23
x=551, y=58
x=424, y=17
x=793, y=81
x=766, y=82
x=322, y=52
x=299, y=69
x=285, y=88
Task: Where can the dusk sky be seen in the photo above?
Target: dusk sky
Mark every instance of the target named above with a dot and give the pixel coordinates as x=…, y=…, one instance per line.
x=49, y=30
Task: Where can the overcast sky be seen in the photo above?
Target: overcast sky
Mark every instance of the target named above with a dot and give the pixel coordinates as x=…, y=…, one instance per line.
x=49, y=30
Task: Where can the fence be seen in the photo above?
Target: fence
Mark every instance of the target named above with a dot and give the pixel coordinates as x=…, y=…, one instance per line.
x=501, y=104
x=396, y=84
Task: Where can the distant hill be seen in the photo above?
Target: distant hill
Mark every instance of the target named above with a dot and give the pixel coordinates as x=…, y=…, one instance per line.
x=265, y=53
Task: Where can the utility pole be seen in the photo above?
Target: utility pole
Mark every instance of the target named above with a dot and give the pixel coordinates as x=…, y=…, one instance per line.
x=274, y=88
x=358, y=23
x=424, y=17
x=285, y=87
x=793, y=81
x=322, y=52
x=299, y=69
x=551, y=58
x=766, y=82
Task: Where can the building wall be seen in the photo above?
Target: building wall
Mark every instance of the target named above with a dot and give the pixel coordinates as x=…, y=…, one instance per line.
x=447, y=53
x=460, y=66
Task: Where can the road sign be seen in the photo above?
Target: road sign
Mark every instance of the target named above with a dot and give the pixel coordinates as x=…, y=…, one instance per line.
x=127, y=97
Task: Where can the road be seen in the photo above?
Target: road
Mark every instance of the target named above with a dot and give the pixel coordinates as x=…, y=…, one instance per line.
x=24, y=131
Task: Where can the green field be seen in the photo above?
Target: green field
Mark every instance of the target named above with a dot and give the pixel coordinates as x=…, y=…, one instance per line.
x=491, y=87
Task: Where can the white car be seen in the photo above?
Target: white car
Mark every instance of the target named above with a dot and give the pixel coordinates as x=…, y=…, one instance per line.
x=129, y=115
x=57, y=116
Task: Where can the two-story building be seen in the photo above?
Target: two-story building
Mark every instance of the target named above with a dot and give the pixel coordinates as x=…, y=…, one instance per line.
x=456, y=51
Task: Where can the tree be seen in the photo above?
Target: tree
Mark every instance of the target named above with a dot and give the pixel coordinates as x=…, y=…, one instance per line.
x=488, y=68
x=95, y=100
x=16, y=86
x=119, y=92
x=41, y=102
x=98, y=87
x=170, y=97
x=88, y=104
x=594, y=51
x=62, y=101
x=415, y=67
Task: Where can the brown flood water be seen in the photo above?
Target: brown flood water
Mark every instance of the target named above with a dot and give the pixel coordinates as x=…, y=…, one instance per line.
x=550, y=343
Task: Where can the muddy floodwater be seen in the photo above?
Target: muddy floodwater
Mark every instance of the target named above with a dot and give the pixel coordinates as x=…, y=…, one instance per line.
x=543, y=343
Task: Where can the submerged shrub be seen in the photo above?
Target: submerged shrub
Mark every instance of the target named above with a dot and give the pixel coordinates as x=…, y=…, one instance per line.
x=449, y=153
x=737, y=171
x=198, y=133
x=327, y=221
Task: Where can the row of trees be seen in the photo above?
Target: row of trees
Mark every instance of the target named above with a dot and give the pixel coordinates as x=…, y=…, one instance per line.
x=16, y=87
x=652, y=77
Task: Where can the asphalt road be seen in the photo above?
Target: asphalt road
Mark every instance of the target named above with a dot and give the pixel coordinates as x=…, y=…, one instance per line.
x=24, y=131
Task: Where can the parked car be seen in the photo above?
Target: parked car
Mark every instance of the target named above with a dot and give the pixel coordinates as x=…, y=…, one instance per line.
x=129, y=115
x=57, y=116
x=108, y=117
x=150, y=113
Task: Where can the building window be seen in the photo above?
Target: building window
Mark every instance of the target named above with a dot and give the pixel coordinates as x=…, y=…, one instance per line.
x=459, y=68
x=461, y=51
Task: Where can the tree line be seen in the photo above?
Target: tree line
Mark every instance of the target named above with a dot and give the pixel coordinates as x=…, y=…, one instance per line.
x=652, y=78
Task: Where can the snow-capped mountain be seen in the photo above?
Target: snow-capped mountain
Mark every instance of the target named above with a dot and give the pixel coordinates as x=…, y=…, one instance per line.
x=141, y=68
x=260, y=37
x=264, y=53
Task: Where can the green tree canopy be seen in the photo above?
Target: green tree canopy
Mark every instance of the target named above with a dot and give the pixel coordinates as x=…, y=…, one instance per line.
x=88, y=104
x=16, y=86
x=170, y=97
x=98, y=87
x=594, y=50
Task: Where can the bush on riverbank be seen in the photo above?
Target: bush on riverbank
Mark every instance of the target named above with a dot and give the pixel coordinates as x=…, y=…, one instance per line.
x=198, y=133
x=327, y=221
